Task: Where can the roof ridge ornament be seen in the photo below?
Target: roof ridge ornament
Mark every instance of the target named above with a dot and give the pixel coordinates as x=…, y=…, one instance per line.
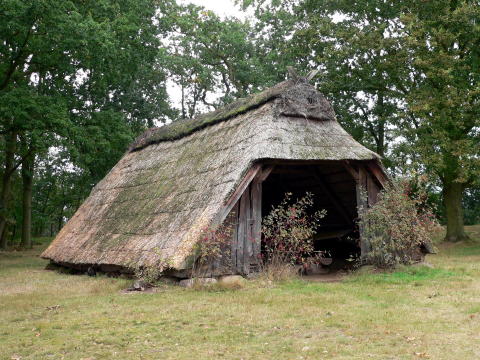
x=294, y=76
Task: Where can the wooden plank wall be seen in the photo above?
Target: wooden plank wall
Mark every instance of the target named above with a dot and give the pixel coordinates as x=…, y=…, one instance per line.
x=368, y=186
x=246, y=237
x=372, y=190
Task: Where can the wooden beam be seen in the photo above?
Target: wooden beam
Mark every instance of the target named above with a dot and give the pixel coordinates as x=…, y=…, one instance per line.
x=256, y=196
x=234, y=245
x=247, y=179
x=346, y=164
x=333, y=198
x=266, y=171
x=362, y=203
x=378, y=172
x=242, y=230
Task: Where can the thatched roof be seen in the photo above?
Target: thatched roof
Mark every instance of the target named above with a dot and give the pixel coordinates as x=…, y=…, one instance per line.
x=152, y=206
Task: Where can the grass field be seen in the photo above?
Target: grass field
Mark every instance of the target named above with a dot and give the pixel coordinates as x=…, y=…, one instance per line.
x=414, y=313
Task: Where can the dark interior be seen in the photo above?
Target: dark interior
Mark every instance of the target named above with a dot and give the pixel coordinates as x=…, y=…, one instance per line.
x=334, y=190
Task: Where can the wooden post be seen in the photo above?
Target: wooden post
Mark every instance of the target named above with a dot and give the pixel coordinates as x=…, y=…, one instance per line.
x=243, y=229
x=248, y=224
x=234, y=242
x=256, y=238
x=362, y=204
x=361, y=189
x=372, y=189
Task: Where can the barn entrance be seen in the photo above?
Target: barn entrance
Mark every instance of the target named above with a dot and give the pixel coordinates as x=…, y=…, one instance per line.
x=334, y=190
x=336, y=186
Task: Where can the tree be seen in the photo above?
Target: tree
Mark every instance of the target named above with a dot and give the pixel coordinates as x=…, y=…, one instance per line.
x=76, y=75
x=444, y=98
x=213, y=61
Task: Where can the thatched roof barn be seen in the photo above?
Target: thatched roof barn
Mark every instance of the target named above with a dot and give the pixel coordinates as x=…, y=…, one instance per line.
x=237, y=161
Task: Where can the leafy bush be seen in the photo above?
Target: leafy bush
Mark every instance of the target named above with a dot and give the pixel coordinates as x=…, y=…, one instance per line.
x=288, y=235
x=397, y=226
x=213, y=249
x=151, y=274
x=148, y=274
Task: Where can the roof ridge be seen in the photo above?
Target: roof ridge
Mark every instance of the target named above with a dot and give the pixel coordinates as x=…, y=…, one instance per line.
x=184, y=127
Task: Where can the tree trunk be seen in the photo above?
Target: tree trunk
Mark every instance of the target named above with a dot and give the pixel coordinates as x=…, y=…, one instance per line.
x=452, y=198
x=60, y=217
x=380, y=126
x=27, y=185
x=5, y=194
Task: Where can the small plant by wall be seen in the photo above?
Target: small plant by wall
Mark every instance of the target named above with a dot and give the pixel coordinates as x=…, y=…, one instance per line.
x=398, y=226
x=287, y=233
x=152, y=273
x=213, y=251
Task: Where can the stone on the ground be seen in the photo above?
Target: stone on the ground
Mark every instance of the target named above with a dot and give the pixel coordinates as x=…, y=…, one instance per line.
x=189, y=283
x=232, y=280
x=140, y=285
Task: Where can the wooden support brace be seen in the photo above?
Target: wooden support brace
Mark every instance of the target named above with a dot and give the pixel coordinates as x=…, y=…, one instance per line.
x=351, y=170
x=247, y=179
x=378, y=173
x=266, y=171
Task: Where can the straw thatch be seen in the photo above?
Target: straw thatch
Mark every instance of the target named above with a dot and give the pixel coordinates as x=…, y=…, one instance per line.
x=151, y=207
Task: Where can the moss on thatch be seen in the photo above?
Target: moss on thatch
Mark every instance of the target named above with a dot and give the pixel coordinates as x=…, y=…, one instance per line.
x=155, y=202
x=184, y=127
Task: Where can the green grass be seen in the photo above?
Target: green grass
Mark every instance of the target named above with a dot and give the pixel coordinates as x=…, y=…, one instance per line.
x=412, y=313
x=403, y=275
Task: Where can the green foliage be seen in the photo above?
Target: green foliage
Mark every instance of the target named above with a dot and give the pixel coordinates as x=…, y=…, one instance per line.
x=288, y=231
x=150, y=274
x=397, y=226
x=212, y=250
x=471, y=205
x=80, y=80
x=213, y=61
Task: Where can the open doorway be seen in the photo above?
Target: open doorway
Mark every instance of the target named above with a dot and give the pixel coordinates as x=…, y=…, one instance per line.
x=334, y=190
